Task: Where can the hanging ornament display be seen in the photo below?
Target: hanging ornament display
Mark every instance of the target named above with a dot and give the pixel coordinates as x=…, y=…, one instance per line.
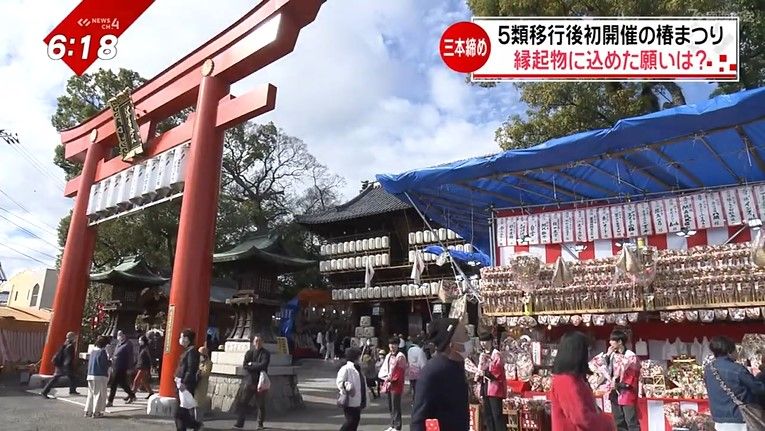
x=561, y=274
x=525, y=268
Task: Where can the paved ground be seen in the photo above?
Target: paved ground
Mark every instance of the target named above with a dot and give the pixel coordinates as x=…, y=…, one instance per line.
x=25, y=410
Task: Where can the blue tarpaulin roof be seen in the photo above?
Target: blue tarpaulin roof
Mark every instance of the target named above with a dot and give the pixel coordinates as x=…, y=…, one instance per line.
x=715, y=143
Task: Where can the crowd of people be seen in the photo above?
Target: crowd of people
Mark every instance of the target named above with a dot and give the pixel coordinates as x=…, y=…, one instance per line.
x=438, y=381
x=736, y=395
x=109, y=367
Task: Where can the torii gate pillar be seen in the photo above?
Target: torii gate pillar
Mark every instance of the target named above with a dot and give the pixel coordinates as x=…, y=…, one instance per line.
x=202, y=79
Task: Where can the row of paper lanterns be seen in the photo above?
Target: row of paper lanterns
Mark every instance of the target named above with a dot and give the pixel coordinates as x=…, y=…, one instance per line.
x=358, y=262
x=148, y=181
x=429, y=257
x=432, y=236
x=391, y=291
x=359, y=245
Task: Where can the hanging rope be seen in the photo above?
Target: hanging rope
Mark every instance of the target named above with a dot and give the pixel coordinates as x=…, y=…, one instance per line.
x=456, y=270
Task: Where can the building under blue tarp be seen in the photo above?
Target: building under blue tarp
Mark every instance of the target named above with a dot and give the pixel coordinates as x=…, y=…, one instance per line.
x=713, y=144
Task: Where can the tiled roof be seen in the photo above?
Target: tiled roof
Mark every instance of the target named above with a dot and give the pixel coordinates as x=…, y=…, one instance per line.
x=266, y=248
x=131, y=269
x=373, y=200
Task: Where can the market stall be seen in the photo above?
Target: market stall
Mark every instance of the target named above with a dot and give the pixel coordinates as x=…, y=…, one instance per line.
x=652, y=225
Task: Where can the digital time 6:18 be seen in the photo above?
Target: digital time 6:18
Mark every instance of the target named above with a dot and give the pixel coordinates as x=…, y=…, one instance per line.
x=58, y=49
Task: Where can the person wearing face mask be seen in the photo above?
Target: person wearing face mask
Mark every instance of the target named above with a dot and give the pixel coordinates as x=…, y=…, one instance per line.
x=442, y=390
x=186, y=379
x=122, y=361
x=142, y=380
x=491, y=376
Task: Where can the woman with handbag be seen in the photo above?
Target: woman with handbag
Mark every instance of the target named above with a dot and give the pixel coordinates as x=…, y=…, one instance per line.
x=733, y=391
x=352, y=387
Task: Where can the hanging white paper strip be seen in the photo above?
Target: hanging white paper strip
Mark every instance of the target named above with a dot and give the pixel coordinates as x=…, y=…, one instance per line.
x=645, y=217
x=731, y=207
x=659, y=216
x=687, y=216
x=759, y=193
x=533, y=229
x=631, y=227
x=556, y=226
x=617, y=221
x=580, y=225
x=511, y=231
x=701, y=208
x=673, y=215
x=501, y=233
x=748, y=206
x=593, y=230
x=716, y=211
x=523, y=229
x=568, y=230
x=604, y=214
x=544, y=228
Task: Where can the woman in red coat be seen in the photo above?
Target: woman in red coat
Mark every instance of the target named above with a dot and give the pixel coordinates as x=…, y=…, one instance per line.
x=573, y=404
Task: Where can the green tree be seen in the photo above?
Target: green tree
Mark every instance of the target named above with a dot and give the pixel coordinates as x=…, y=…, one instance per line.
x=559, y=109
x=267, y=176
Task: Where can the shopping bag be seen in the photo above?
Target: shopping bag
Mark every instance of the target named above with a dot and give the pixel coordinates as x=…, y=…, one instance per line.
x=186, y=399
x=264, y=383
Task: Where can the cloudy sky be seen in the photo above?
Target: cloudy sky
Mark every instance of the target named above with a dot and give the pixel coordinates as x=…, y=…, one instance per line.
x=364, y=88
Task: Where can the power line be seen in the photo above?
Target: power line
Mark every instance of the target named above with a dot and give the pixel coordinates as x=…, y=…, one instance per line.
x=37, y=251
x=40, y=226
x=37, y=165
x=24, y=209
x=24, y=254
x=29, y=232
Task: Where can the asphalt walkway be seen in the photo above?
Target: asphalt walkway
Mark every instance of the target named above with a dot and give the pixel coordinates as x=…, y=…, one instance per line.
x=25, y=410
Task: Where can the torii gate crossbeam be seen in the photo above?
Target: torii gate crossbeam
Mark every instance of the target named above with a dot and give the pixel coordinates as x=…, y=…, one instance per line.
x=202, y=79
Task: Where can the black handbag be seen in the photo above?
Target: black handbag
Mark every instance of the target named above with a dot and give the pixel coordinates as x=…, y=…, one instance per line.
x=753, y=414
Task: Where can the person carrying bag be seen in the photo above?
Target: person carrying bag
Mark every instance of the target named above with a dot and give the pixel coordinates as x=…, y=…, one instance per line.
x=732, y=390
x=352, y=386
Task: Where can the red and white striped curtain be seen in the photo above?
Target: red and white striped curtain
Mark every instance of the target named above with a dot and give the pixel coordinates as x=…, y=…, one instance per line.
x=602, y=248
x=21, y=346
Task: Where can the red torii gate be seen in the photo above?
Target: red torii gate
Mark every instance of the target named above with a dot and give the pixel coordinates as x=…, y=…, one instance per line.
x=203, y=78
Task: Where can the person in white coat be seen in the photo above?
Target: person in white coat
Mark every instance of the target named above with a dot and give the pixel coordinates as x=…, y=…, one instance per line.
x=353, y=393
x=416, y=358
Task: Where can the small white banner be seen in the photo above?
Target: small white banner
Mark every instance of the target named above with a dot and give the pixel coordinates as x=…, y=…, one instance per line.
x=610, y=49
x=617, y=216
x=645, y=217
x=556, y=225
x=716, y=209
x=701, y=208
x=544, y=228
x=502, y=231
x=659, y=216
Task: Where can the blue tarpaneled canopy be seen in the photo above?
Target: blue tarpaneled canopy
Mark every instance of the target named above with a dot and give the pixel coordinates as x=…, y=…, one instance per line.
x=719, y=142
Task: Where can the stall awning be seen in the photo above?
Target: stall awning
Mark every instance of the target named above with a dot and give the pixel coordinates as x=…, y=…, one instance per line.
x=719, y=142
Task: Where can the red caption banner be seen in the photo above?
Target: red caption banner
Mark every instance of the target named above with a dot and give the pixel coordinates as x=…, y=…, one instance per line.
x=91, y=31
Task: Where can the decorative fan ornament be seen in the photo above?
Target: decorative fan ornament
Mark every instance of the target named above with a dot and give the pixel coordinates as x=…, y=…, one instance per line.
x=525, y=268
x=758, y=250
x=561, y=274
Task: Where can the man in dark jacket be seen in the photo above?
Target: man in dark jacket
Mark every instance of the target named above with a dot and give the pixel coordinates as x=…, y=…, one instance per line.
x=186, y=379
x=255, y=360
x=442, y=390
x=64, y=361
x=122, y=361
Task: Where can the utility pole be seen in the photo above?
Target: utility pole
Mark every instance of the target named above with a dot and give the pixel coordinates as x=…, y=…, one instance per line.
x=3, y=278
